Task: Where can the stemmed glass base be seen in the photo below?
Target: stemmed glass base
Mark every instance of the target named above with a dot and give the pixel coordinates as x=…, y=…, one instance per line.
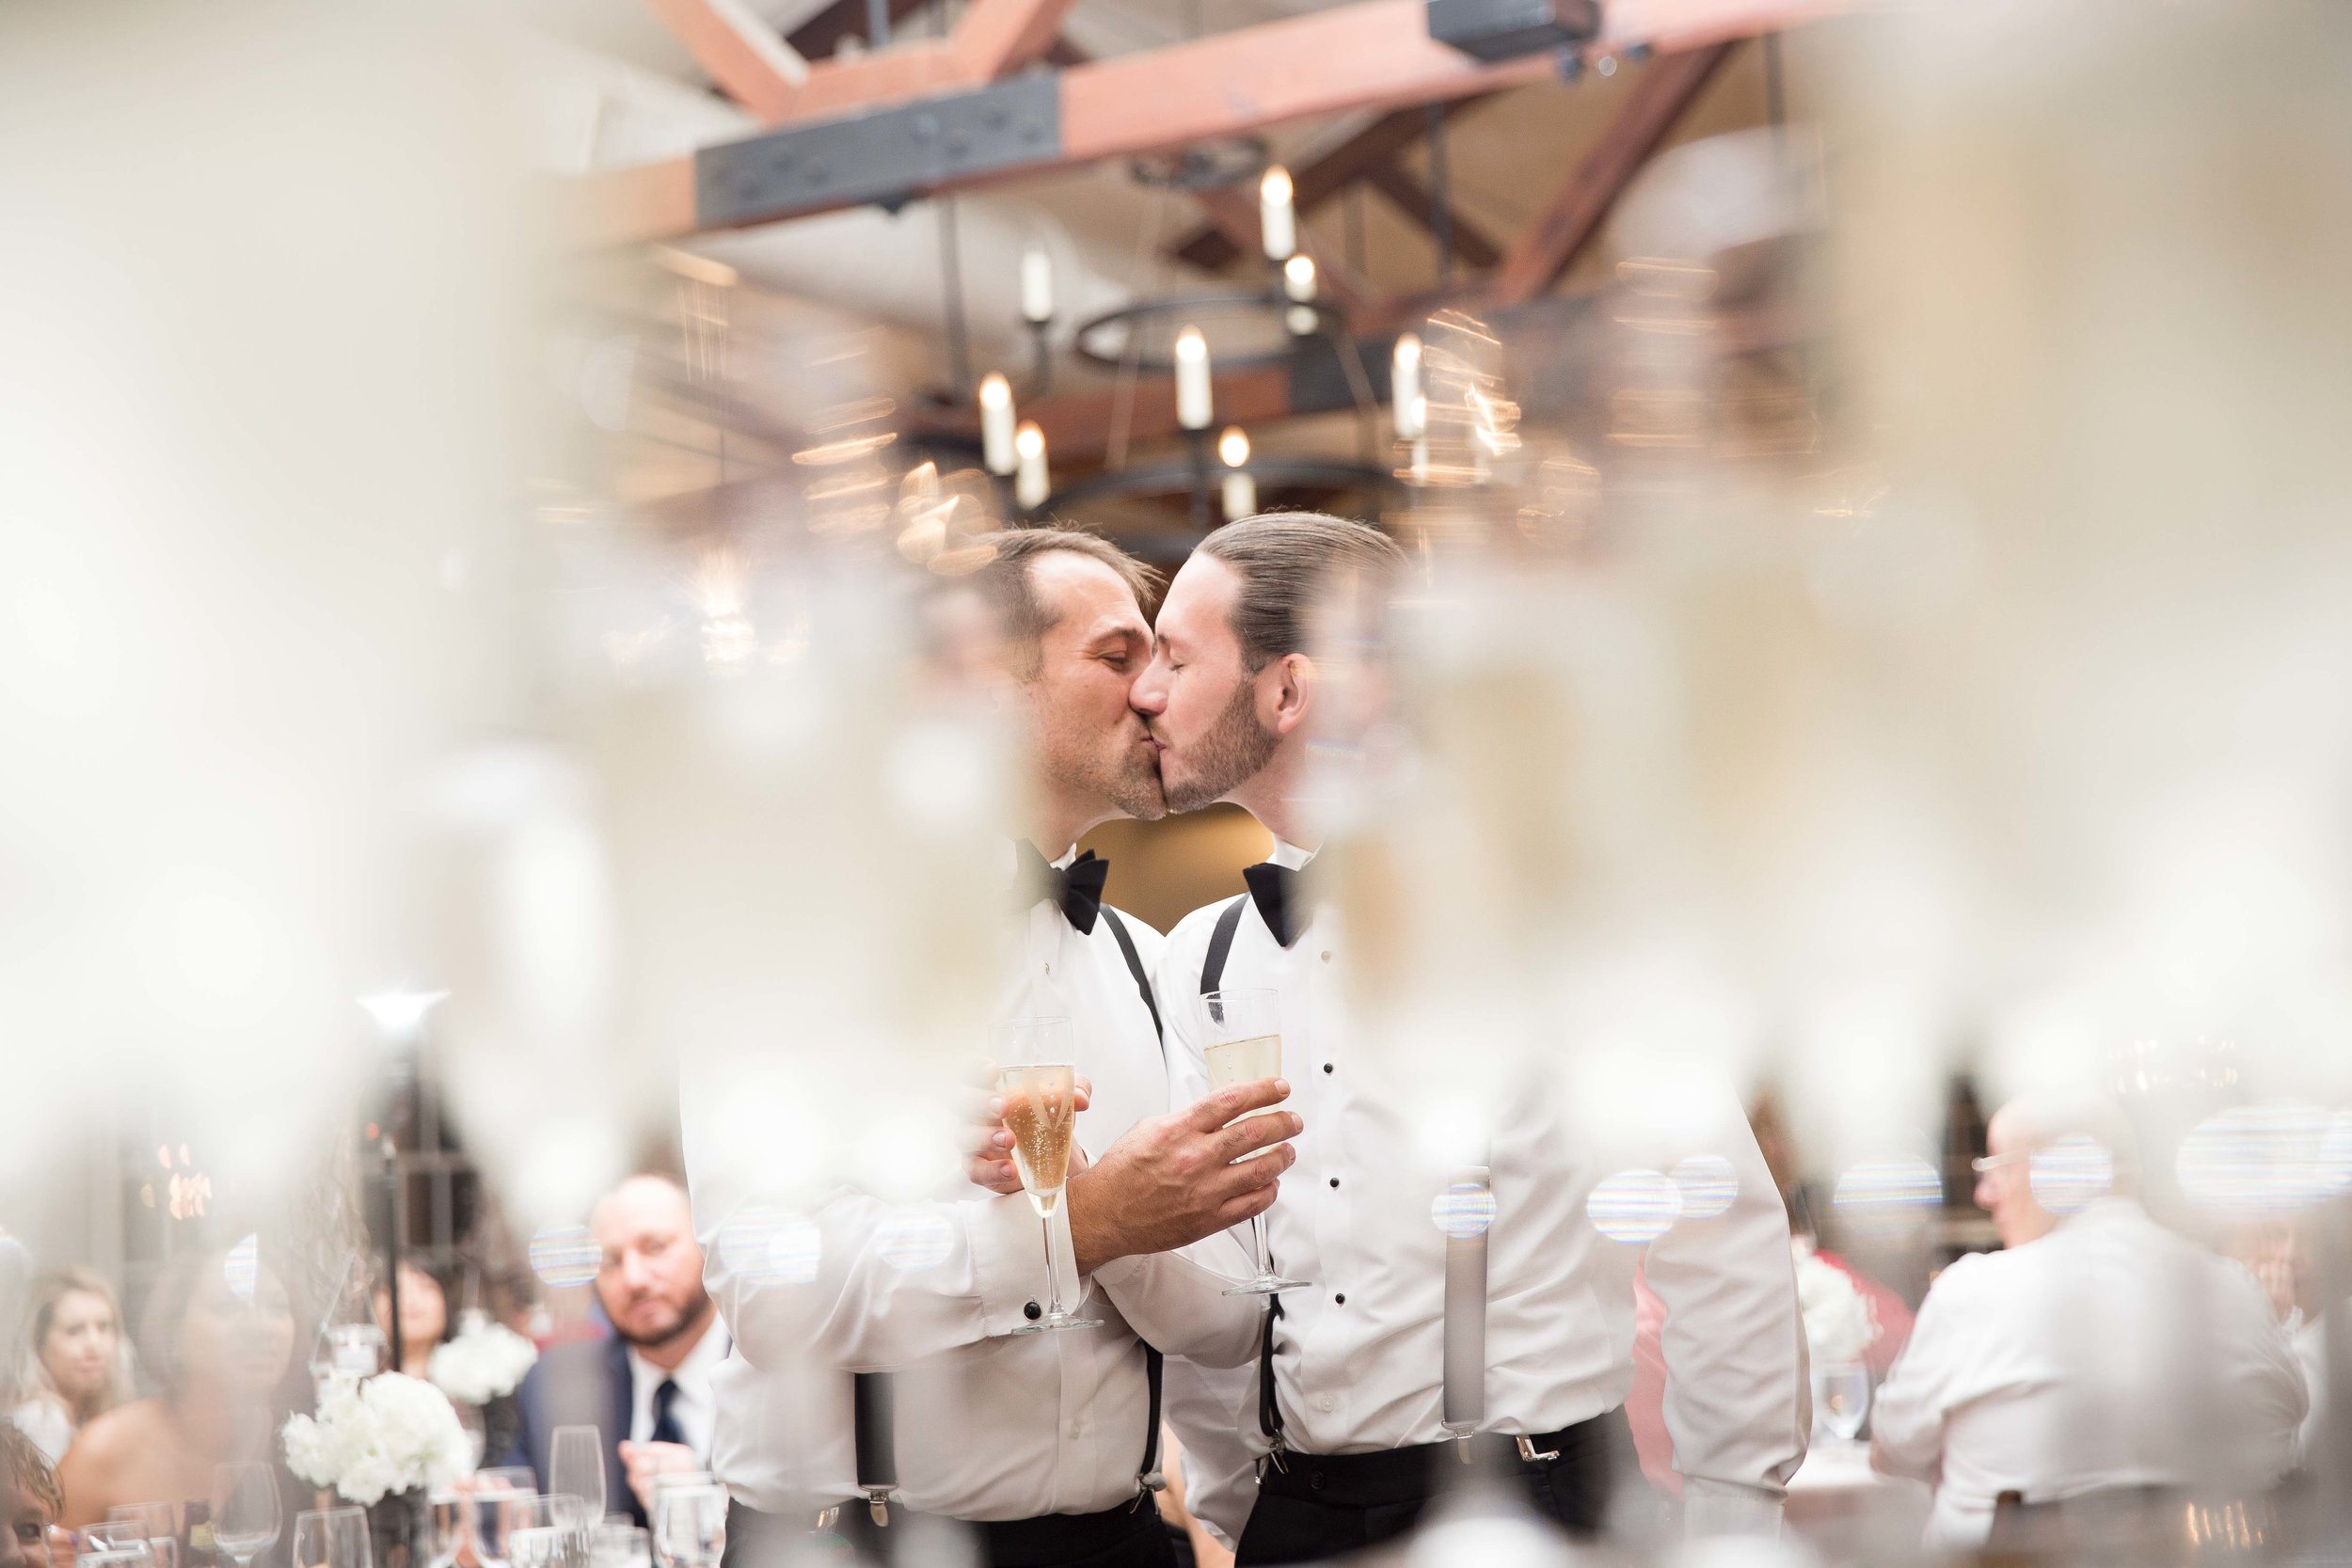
x=1058, y=1320
x=1266, y=1285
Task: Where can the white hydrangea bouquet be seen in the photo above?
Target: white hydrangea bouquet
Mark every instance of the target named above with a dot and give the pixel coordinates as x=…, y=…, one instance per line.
x=484, y=1363
x=376, y=1436
x=1839, y=1322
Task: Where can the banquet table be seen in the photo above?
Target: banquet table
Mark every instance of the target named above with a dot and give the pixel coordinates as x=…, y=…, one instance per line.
x=1845, y=1508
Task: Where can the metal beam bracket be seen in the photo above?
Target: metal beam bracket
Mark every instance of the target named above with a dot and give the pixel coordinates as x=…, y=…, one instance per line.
x=1492, y=30
x=884, y=157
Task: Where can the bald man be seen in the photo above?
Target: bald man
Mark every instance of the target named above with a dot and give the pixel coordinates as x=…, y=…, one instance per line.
x=647, y=1387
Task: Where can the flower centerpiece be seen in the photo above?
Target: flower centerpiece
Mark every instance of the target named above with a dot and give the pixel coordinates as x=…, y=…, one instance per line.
x=380, y=1442
x=1839, y=1325
x=486, y=1362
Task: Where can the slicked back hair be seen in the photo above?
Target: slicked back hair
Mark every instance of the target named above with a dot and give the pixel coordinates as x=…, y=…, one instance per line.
x=1009, y=582
x=1286, y=561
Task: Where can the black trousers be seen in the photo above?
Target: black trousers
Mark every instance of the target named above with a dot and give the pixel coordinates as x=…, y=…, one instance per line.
x=1118, y=1537
x=1327, y=1505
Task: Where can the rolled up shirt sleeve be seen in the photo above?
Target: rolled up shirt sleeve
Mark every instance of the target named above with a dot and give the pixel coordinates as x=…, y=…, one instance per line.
x=1737, y=1403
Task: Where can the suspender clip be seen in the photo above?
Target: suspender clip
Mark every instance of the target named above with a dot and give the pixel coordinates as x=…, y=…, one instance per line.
x=877, y=1504
x=1534, y=1455
x=1147, y=1483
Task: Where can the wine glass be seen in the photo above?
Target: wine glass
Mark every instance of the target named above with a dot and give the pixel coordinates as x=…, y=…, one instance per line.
x=332, y=1538
x=576, y=1476
x=103, y=1556
x=689, y=1525
x=540, y=1546
x=506, y=1478
x=122, y=1541
x=1842, y=1390
x=1040, y=1089
x=497, y=1516
x=449, y=1518
x=618, y=1543
x=1244, y=1046
x=246, y=1520
x=157, y=1523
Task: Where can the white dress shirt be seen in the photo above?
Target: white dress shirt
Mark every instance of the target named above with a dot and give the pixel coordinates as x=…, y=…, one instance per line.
x=2110, y=1353
x=990, y=1426
x=693, y=1405
x=1359, y=1362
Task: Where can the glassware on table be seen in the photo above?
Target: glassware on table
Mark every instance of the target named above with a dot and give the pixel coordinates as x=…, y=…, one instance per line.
x=689, y=1525
x=332, y=1538
x=506, y=1478
x=246, y=1521
x=100, y=1554
x=1842, y=1397
x=1245, y=1045
x=618, y=1543
x=575, y=1478
x=1039, y=1081
x=541, y=1547
x=150, y=1522
x=497, y=1516
x=448, y=1524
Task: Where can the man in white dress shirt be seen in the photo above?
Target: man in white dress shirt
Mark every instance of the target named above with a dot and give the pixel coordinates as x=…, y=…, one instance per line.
x=1045, y=1442
x=2097, y=1357
x=1352, y=1418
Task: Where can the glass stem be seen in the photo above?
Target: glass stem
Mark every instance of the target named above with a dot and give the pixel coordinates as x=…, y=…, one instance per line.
x=1257, y=1236
x=1054, y=1309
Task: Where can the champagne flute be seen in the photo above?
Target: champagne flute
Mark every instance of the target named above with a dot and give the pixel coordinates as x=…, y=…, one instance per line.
x=332, y=1538
x=575, y=1478
x=1039, y=1087
x=246, y=1520
x=1844, y=1397
x=689, y=1525
x=1246, y=1046
x=449, y=1520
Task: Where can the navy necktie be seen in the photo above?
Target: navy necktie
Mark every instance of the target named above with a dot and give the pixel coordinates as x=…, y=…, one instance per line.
x=666, y=1427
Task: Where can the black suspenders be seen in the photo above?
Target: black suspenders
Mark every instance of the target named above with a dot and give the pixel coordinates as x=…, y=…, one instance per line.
x=870, y=1392
x=1211, y=976
x=1148, y=1479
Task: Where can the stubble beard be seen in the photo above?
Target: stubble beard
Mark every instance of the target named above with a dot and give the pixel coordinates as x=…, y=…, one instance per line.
x=1235, y=748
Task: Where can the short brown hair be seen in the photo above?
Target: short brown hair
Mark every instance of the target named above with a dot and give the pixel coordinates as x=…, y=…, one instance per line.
x=1010, y=586
x=1286, y=560
x=24, y=1467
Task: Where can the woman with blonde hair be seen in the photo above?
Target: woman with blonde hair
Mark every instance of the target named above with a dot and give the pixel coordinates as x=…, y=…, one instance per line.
x=73, y=1364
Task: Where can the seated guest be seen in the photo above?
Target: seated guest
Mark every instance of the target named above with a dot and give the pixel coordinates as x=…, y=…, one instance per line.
x=424, y=1318
x=219, y=1345
x=72, y=1366
x=2098, y=1360
x=647, y=1388
x=30, y=1503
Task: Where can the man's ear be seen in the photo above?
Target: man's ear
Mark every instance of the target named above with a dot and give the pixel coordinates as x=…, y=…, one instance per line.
x=1294, y=678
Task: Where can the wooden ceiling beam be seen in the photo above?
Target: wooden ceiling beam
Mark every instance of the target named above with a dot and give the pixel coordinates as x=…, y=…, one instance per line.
x=738, y=50
x=1371, y=53
x=1549, y=244
x=1472, y=245
x=998, y=37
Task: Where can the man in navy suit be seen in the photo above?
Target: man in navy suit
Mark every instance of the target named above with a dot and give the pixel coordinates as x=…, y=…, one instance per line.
x=646, y=1387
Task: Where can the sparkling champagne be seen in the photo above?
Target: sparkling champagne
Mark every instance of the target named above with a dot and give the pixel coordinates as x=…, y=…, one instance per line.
x=1232, y=1062
x=1040, y=1112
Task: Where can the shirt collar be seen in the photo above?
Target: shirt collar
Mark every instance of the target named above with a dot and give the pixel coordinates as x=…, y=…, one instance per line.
x=1013, y=857
x=1289, y=856
x=694, y=1371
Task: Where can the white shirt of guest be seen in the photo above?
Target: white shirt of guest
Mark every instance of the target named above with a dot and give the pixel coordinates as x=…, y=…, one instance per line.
x=1359, y=1358
x=694, y=1406
x=990, y=1426
x=2109, y=1354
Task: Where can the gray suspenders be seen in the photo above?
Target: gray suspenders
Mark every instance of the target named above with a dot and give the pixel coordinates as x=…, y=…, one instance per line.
x=870, y=1410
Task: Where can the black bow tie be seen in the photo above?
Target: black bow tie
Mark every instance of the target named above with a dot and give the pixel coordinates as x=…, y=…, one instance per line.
x=1077, y=888
x=1275, y=890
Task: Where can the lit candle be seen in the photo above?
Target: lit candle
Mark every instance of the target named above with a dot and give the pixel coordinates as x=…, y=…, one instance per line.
x=1241, y=491
x=1193, y=407
x=1412, y=415
x=996, y=454
x=1037, y=285
x=1298, y=281
x=1030, y=486
x=1278, y=223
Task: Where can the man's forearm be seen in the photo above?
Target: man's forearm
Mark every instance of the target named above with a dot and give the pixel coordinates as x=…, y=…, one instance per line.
x=1095, y=1238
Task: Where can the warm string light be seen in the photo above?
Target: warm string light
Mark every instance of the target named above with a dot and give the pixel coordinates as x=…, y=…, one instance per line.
x=1298, y=283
